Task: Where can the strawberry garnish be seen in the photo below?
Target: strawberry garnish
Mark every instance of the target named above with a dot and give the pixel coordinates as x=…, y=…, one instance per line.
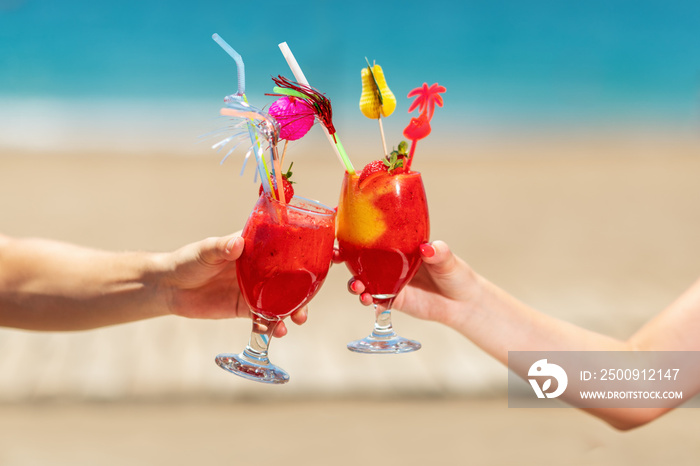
x=394, y=164
x=286, y=184
x=371, y=168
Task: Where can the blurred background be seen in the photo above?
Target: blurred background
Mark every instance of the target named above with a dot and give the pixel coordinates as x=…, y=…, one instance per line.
x=564, y=167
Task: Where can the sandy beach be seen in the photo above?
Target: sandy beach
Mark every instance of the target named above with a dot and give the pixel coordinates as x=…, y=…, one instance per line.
x=340, y=432
x=599, y=232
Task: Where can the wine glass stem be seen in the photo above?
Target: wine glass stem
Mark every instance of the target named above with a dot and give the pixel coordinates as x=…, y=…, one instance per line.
x=382, y=323
x=259, y=342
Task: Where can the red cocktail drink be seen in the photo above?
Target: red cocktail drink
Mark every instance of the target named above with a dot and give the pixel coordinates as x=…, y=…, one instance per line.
x=287, y=253
x=382, y=221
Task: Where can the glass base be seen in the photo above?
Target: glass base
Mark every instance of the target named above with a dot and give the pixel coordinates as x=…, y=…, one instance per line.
x=390, y=344
x=258, y=370
x=383, y=339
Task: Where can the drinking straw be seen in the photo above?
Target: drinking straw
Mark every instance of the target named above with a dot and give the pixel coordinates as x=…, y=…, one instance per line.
x=301, y=79
x=240, y=67
x=277, y=171
x=289, y=92
x=241, y=98
x=260, y=161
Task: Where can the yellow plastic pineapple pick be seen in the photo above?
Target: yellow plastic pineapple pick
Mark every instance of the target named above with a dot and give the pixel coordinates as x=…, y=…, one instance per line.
x=377, y=100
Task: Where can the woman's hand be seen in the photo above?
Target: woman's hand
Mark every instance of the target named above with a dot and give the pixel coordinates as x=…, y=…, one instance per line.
x=441, y=288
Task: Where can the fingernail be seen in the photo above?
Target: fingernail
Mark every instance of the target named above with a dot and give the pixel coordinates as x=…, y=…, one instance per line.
x=353, y=286
x=231, y=244
x=427, y=250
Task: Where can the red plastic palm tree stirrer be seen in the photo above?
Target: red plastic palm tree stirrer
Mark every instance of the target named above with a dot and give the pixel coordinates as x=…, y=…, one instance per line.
x=427, y=97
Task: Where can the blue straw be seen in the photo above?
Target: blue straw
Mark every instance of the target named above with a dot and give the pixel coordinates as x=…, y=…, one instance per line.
x=258, y=159
x=236, y=102
x=237, y=58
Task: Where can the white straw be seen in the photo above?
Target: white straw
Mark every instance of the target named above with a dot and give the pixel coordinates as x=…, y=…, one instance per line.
x=293, y=64
x=301, y=79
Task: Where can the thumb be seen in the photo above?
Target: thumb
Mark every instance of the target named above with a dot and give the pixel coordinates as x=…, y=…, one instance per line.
x=217, y=250
x=438, y=258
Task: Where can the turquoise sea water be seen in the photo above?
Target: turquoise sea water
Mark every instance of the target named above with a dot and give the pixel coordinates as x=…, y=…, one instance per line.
x=504, y=62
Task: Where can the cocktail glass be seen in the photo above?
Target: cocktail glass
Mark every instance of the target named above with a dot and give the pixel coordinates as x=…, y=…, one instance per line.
x=382, y=221
x=287, y=254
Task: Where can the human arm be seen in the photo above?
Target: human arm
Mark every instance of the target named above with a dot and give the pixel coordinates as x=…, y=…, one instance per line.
x=51, y=285
x=447, y=290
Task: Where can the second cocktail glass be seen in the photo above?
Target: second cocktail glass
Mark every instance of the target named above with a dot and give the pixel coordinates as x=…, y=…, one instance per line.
x=288, y=250
x=382, y=221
